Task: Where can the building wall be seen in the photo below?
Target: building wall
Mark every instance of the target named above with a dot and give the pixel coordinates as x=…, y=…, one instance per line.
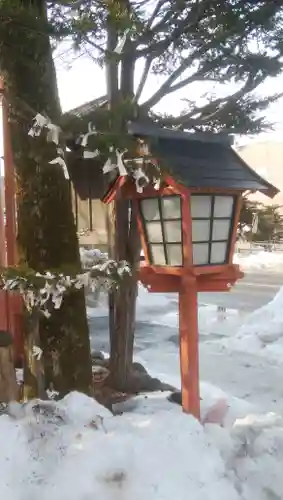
x=266, y=158
x=96, y=237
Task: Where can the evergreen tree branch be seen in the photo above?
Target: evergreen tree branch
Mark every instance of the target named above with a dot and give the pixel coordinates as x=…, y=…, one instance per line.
x=195, y=77
x=103, y=51
x=166, y=87
x=202, y=115
x=182, y=27
x=143, y=79
x=155, y=13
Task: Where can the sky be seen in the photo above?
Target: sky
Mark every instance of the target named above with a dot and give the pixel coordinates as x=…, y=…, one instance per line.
x=81, y=80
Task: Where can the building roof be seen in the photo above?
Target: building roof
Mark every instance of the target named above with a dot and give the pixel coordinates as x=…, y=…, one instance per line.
x=89, y=107
x=195, y=159
x=201, y=160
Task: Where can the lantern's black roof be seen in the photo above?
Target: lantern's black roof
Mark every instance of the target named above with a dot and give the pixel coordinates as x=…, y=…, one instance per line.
x=200, y=159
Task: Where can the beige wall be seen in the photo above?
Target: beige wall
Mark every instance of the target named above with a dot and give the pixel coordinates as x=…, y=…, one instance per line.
x=266, y=158
x=97, y=237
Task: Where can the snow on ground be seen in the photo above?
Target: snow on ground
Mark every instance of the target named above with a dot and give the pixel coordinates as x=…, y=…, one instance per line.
x=154, y=451
x=270, y=261
x=262, y=332
x=250, y=381
x=162, y=309
x=232, y=368
x=76, y=450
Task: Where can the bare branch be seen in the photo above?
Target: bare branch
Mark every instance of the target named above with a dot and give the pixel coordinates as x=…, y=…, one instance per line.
x=196, y=77
x=164, y=89
x=205, y=115
x=143, y=79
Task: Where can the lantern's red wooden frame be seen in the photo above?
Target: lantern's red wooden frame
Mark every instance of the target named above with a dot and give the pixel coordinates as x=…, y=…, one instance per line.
x=187, y=280
x=216, y=278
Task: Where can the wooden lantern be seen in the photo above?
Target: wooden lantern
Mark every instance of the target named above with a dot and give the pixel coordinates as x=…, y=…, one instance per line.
x=188, y=230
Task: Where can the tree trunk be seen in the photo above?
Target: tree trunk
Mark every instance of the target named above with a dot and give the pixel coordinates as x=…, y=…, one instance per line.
x=124, y=241
x=8, y=383
x=46, y=230
x=34, y=385
x=127, y=73
x=122, y=337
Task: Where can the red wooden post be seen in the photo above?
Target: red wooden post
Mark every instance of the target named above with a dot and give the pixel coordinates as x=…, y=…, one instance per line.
x=10, y=203
x=189, y=355
x=4, y=309
x=2, y=230
x=10, y=304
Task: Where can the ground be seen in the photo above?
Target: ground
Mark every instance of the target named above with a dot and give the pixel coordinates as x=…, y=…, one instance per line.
x=245, y=375
x=77, y=450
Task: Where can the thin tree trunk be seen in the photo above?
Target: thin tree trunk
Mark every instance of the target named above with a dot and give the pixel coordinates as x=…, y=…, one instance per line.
x=124, y=238
x=122, y=340
x=8, y=383
x=46, y=230
x=34, y=384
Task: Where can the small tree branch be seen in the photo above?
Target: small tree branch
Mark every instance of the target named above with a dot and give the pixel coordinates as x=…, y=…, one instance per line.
x=188, y=119
x=143, y=79
x=164, y=89
x=196, y=77
x=183, y=26
x=162, y=23
x=155, y=12
x=112, y=77
x=96, y=46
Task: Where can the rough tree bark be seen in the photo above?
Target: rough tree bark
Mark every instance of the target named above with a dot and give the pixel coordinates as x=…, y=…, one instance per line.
x=46, y=231
x=124, y=241
x=122, y=338
x=34, y=384
x=8, y=383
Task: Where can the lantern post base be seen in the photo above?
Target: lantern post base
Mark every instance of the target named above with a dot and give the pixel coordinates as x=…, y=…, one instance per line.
x=189, y=355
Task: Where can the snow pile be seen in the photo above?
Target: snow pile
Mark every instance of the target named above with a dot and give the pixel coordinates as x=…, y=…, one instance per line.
x=76, y=450
x=253, y=453
x=270, y=261
x=162, y=309
x=92, y=257
x=262, y=331
x=151, y=306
